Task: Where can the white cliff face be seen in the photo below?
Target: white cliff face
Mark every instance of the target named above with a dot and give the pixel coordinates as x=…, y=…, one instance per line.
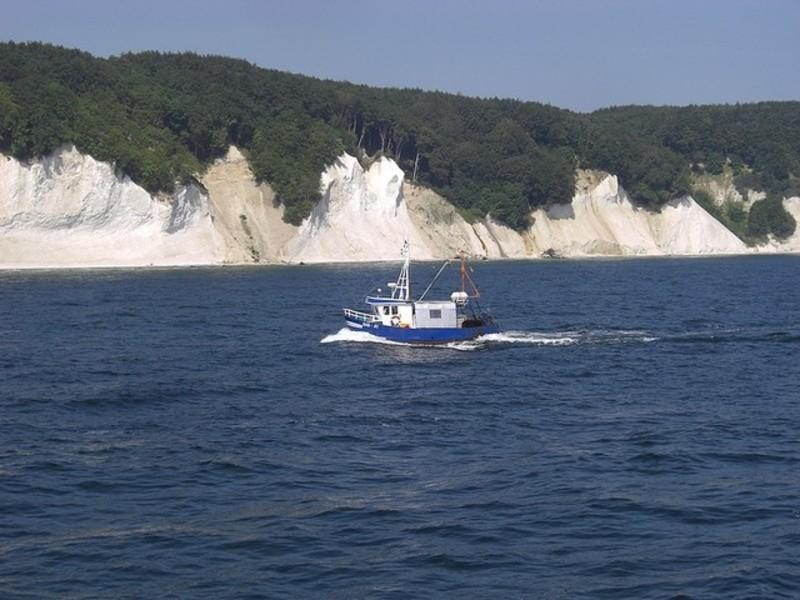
x=245, y=213
x=603, y=221
x=443, y=229
x=447, y=233
x=722, y=189
x=500, y=241
x=362, y=216
x=71, y=210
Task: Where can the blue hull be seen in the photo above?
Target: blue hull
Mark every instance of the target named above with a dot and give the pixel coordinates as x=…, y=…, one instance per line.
x=427, y=335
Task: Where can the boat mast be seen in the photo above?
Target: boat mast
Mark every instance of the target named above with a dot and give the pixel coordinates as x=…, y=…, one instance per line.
x=465, y=278
x=463, y=271
x=402, y=289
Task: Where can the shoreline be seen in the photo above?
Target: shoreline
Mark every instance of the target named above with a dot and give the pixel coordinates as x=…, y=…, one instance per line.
x=359, y=263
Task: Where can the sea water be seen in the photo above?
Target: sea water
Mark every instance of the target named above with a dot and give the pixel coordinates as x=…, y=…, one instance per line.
x=633, y=431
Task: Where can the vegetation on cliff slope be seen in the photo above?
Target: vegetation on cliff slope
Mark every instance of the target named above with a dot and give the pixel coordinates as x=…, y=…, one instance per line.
x=163, y=117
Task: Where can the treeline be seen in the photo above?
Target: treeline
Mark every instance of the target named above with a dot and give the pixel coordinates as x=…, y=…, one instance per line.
x=162, y=117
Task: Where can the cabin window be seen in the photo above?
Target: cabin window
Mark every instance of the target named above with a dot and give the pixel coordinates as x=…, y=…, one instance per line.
x=436, y=313
x=386, y=310
x=394, y=310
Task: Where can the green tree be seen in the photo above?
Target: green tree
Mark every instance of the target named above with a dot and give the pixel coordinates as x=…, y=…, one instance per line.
x=8, y=113
x=768, y=216
x=162, y=118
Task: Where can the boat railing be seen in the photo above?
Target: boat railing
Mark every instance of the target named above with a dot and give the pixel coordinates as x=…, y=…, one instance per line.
x=357, y=315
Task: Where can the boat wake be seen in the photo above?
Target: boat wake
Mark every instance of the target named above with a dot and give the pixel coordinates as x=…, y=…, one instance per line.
x=588, y=337
x=556, y=338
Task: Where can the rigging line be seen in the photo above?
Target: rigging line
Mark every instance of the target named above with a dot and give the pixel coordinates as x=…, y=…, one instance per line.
x=430, y=285
x=475, y=291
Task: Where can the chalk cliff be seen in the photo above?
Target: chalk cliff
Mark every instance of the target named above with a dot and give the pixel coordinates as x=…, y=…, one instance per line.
x=71, y=210
x=362, y=216
x=244, y=213
x=603, y=221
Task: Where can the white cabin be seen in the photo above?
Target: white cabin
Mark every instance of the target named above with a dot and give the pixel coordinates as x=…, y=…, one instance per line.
x=415, y=314
x=436, y=314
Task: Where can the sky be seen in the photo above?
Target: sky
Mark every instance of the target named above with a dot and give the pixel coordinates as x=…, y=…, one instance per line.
x=577, y=54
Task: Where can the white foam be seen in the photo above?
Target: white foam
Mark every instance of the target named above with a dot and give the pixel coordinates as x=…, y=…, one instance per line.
x=346, y=334
x=535, y=338
x=564, y=338
x=531, y=337
x=465, y=346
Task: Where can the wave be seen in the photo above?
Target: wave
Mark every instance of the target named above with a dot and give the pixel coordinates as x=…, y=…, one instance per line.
x=556, y=338
x=564, y=338
x=581, y=337
x=515, y=337
x=348, y=335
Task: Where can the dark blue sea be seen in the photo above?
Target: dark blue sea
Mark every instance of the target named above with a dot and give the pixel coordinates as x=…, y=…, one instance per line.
x=634, y=432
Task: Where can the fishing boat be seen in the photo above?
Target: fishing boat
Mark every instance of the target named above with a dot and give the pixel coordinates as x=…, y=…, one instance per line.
x=396, y=316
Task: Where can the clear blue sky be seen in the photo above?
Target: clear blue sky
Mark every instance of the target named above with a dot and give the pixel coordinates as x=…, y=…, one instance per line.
x=578, y=54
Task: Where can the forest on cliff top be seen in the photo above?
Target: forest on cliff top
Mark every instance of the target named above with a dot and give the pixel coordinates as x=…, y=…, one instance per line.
x=162, y=118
